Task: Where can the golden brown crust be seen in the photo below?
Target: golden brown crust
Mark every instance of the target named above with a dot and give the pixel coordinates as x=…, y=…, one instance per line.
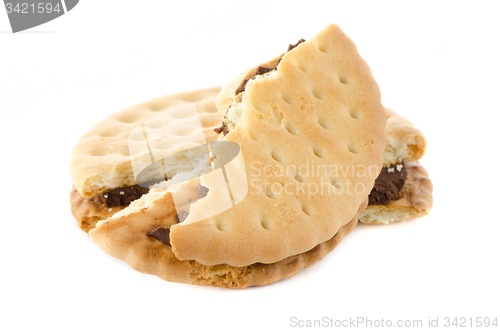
x=325, y=91
x=100, y=160
x=89, y=211
x=415, y=202
x=125, y=238
x=404, y=141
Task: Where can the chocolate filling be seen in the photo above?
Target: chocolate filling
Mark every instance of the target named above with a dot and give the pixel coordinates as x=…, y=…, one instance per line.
x=262, y=70
x=160, y=233
x=257, y=72
x=389, y=184
x=202, y=191
x=181, y=217
x=123, y=196
x=223, y=128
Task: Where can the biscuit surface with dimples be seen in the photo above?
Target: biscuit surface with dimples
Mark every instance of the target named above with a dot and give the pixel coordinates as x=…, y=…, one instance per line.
x=321, y=107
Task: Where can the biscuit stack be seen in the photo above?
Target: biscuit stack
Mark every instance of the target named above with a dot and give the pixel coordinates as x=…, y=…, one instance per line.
x=301, y=145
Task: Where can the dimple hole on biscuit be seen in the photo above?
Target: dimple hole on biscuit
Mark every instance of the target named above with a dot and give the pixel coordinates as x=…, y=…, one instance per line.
x=318, y=94
x=101, y=152
x=324, y=123
x=129, y=119
x=257, y=105
x=299, y=178
x=252, y=135
x=336, y=183
x=109, y=133
x=355, y=114
x=155, y=107
x=306, y=208
x=270, y=192
x=290, y=128
x=343, y=79
x=221, y=226
x=265, y=223
x=302, y=66
x=352, y=148
x=287, y=99
x=317, y=152
x=124, y=152
x=276, y=156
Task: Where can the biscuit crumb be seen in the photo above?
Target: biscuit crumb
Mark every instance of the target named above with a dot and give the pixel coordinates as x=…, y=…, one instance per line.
x=122, y=193
x=390, y=170
x=399, y=167
x=110, y=210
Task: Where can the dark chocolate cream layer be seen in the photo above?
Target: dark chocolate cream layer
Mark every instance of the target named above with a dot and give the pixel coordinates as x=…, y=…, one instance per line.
x=123, y=196
x=388, y=187
x=160, y=233
x=262, y=70
x=389, y=184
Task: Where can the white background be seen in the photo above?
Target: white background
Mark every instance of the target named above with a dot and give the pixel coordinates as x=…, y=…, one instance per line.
x=437, y=64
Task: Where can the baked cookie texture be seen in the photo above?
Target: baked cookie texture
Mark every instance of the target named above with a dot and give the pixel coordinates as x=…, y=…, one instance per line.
x=227, y=94
x=101, y=160
x=89, y=211
x=112, y=134
x=299, y=115
x=126, y=238
x=404, y=141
